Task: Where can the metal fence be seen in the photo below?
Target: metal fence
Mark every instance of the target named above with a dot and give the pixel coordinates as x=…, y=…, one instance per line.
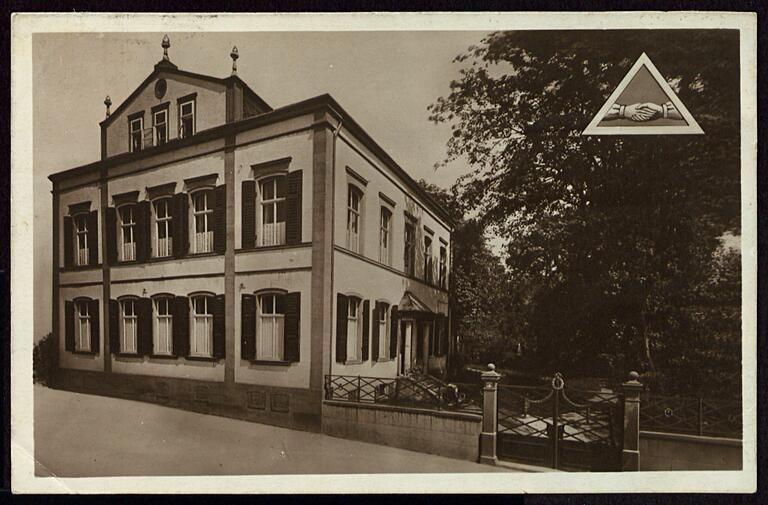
x=420, y=392
x=691, y=416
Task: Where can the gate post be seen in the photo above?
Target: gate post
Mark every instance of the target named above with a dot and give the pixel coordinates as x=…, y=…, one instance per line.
x=630, y=454
x=488, y=435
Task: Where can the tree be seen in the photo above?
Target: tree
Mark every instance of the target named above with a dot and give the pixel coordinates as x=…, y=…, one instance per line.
x=612, y=235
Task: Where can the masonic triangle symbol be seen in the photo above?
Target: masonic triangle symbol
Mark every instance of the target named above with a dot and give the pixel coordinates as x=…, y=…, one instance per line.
x=643, y=104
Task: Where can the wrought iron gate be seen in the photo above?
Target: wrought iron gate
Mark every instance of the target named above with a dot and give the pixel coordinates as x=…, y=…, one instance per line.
x=560, y=427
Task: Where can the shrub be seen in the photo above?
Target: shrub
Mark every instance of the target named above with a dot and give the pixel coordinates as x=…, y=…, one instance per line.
x=44, y=359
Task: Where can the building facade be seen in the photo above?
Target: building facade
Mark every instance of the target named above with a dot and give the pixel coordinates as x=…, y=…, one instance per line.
x=226, y=257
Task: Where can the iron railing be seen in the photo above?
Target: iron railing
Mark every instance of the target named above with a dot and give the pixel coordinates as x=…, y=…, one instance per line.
x=411, y=391
x=691, y=416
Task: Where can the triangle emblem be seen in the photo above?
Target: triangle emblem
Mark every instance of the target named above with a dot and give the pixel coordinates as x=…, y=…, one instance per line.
x=643, y=104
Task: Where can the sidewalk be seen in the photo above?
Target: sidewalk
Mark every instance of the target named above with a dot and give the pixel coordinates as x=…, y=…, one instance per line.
x=78, y=435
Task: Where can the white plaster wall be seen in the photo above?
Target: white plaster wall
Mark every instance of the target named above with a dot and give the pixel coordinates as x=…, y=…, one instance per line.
x=90, y=193
x=80, y=361
x=271, y=259
x=297, y=145
x=210, y=108
x=295, y=375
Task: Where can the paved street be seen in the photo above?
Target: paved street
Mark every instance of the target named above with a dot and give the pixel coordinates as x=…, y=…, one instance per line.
x=85, y=435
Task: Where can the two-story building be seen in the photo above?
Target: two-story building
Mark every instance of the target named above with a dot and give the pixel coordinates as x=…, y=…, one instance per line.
x=224, y=256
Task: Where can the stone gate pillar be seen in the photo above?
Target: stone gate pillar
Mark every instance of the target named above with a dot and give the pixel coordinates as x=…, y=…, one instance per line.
x=630, y=454
x=490, y=379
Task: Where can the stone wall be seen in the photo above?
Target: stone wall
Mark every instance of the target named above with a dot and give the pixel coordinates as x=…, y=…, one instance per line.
x=451, y=434
x=672, y=451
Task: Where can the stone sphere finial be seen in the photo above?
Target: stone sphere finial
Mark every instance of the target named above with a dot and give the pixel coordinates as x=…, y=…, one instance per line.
x=491, y=367
x=633, y=376
x=166, y=44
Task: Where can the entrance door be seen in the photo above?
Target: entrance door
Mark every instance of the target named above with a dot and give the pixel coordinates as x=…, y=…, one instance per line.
x=405, y=350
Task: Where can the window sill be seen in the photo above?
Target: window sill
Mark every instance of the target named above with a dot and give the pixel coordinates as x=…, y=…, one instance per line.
x=272, y=247
x=203, y=254
x=163, y=356
x=270, y=363
x=84, y=353
x=127, y=355
x=80, y=268
x=202, y=358
x=353, y=362
x=384, y=360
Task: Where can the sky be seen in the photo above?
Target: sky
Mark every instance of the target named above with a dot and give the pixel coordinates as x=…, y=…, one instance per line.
x=385, y=80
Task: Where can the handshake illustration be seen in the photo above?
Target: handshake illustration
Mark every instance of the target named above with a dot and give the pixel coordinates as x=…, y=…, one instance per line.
x=641, y=112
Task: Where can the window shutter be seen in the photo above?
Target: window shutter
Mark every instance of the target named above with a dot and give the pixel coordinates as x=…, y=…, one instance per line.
x=247, y=327
x=144, y=313
x=341, y=328
x=291, y=342
x=180, y=225
x=181, y=326
x=114, y=327
x=366, y=329
x=93, y=238
x=143, y=231
x=69, y=248
x=69, y=326
x=248, y=217
x=375, y=330
x=393, y=321
x=293, y=201
x=219, y=324
x=438, y=334
x=444, y=336
x=93, y=310
x=220, y=219
x=111, y=222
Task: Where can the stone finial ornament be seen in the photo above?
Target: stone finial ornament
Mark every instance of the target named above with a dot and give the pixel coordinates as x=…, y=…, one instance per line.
x=234, y=55
x=166, y=44
x=108, y=103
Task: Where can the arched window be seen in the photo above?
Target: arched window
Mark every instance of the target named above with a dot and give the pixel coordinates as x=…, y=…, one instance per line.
x=127, y=237
x=271, y=327
x=83, y=325
x=272, y=207
x=202, y=210
x=163, y=321
x=163, y=229
x=128, y=326
x=201, y=344
x=354, y=200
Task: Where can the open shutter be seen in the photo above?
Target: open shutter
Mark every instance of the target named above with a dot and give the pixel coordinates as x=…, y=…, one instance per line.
x=93, y=238
x=444, y=336
x=375, y=331
x=111, y=223
x=291, y=329
x=247, y=327
x=293, y=201
x=181, y=326
x=93, y=311
x=366, y=329
x=144, y=313
x=393, y=332
x=248, y=217
x=220, y=219
x=114, y=327
x=438, y=334
x=180, y=225
x=69, y=248
x=143, y=231
x=69, y=326
x=341, y=328
x=219, y=324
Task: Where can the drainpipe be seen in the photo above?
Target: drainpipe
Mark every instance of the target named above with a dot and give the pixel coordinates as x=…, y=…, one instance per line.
x=333, y=243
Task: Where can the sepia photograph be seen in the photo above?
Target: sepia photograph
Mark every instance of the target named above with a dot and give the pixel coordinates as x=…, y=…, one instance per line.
x=483, y=250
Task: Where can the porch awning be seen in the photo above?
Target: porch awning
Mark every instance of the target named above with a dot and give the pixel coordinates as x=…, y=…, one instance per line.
x=410, y=303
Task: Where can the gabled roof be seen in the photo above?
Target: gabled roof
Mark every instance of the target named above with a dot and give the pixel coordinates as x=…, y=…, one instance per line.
x=169, y=68
x=410, y=303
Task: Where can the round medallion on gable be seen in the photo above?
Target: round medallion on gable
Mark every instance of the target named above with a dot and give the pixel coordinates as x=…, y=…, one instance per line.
x=160, y=87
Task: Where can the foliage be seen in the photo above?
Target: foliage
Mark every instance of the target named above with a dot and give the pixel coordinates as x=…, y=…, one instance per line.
x=44, y=359
x=612, y=242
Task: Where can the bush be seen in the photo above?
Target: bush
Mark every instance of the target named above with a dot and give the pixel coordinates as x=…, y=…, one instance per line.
x=44, y=359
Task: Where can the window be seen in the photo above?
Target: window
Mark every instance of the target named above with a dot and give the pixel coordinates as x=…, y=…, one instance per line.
x=271, y=327
x=83, y=336
x=202, y=209
x=353, y=323
x=136, y=128
x=443, y=266
x=186, y=119
x=383, y=330
x=160, y=119
x=163, y=334
x=163, y=228
x=410, y=246
x=384, y=235
x=202, y=326
x=428, y=259
x=273, y=210
x=127, y=233
x=81, y=239
x=353, y=219
x=128, y=327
